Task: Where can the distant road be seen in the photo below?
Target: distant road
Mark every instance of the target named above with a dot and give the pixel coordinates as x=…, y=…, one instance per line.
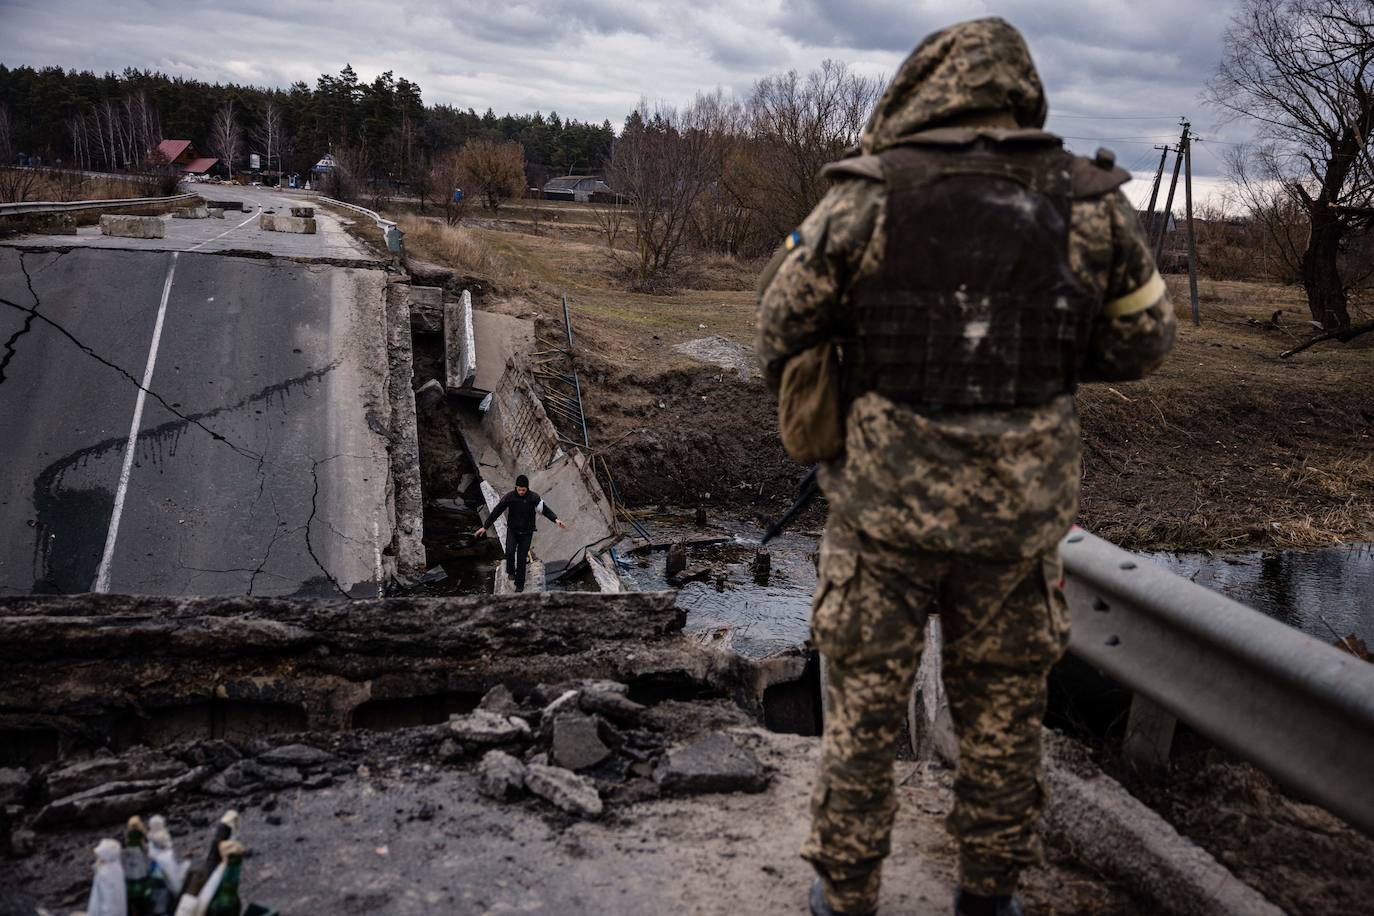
x=255, y=462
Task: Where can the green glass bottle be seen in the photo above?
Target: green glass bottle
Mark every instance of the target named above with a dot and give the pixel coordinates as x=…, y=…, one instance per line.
x=134, y=857
x=226, y=900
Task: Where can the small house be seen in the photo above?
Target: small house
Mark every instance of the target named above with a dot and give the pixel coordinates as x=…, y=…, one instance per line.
x=183, y=156
x=575, y=187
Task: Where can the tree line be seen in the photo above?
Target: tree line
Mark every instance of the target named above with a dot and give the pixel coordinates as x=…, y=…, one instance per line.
x=110, y=121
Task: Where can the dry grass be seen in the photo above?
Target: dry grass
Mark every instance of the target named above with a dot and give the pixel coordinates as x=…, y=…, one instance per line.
x=458, y=247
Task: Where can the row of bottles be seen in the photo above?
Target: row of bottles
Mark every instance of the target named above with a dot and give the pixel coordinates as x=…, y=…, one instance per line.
x=144, y=877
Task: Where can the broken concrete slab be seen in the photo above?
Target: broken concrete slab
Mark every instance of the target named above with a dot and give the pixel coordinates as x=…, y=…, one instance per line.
x=248, y=775
x=482, y=727
x=714, y=763
x=116, y=801
x=426, y=308
x=697, y=572
x=499, y=700
x=88, y=774
x=191, y=213
x=574, y=742
x=132, y=227
x=499, y=338
x=564, y=789
x=500, y=775
x=277, y=223
x=216, y=212
x=297, y=755
x=460, y=343
x=614, y=706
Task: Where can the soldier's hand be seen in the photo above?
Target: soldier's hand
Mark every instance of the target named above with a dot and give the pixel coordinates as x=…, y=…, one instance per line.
x=560, y=523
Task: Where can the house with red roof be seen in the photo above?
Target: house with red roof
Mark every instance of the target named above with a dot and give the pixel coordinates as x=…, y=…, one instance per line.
x=183, y=156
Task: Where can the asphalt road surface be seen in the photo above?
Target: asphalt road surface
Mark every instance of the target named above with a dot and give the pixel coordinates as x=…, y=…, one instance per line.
x=238, y=231
x=179, y=423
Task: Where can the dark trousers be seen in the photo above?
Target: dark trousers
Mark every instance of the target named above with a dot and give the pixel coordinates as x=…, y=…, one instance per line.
x=517, y=552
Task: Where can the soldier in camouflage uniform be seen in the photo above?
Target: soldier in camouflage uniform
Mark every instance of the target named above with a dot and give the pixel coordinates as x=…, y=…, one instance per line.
x=972, y=273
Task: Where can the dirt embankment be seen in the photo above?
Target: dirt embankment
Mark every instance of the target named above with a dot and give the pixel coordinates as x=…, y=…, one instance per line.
x=1227, y=447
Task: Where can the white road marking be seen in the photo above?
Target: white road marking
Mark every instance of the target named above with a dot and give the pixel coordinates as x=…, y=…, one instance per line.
x=102, y=576
x=224, y=233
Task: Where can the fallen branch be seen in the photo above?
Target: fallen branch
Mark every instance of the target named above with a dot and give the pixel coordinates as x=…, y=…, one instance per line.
x=1344, y=335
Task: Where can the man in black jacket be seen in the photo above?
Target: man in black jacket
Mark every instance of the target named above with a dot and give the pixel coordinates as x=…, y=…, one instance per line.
x=524, y=506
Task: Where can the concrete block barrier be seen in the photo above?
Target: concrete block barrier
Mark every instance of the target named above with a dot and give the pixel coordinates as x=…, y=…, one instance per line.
x=216, y=212
x=303, y=211
x=271, y=222
x=192, y=213
x=225, y=204
x=132, y=227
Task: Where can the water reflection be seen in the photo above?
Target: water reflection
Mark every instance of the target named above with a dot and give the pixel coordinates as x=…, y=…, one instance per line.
x=753, y=617
x=1296, y=587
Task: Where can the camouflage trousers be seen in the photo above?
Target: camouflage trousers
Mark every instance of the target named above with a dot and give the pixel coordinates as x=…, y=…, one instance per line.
x=1005, y=624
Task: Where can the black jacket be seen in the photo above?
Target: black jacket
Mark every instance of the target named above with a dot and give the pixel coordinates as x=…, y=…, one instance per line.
x=523, y=510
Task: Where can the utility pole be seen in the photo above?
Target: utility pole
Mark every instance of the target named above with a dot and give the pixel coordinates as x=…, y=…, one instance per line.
x=1154, y=190
x=1169, y=201
x=1188, y=209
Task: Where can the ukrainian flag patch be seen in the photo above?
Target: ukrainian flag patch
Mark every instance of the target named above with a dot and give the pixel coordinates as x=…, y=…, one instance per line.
x=793, y=240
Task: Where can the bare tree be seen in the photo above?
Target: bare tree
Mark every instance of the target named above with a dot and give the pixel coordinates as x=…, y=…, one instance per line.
x=271, y=133
x=494, y=171
x=665, y=160
x=796, y=125
x=226, y=137
x=1304, y=71
x=446, y=177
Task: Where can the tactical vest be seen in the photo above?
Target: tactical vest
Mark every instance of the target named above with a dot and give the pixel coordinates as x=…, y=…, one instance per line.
x=974, y=303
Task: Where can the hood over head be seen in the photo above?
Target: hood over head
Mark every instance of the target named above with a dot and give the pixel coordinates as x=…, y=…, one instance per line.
x=961, y=75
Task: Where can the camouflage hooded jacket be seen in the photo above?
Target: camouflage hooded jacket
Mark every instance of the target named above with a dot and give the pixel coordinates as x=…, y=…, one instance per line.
x=998, y=483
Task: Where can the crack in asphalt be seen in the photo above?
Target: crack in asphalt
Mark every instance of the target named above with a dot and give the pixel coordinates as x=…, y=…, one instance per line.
x=10, y=345
x=314, y=507
x=34, y=313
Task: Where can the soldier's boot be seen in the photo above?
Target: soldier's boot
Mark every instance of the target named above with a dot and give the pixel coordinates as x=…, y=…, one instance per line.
x=821, y=907
x=966, y=904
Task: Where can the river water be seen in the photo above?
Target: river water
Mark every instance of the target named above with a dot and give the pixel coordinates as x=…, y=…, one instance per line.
x=1298, y=588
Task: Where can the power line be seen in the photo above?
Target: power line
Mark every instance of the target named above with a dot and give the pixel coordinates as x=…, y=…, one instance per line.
x=1118, y=117
x=1154, y=139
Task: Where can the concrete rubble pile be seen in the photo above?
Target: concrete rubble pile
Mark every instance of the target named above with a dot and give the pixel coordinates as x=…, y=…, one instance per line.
x=588, y=742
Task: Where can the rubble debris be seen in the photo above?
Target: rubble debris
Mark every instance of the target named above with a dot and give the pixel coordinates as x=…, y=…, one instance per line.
x=574, y=742
x=612, y=704
x=697, y=572
x=722, y=352
x=500, y=775
x=101, y=770
x=429, y=395
x=564, y=789
x=132, y=227
x=248, y=775
x=482, y=727
x=297, y=755
x=499, y=700
x=714, y=763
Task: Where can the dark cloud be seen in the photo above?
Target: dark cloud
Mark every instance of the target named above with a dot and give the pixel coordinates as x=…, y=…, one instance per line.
x=594, y=59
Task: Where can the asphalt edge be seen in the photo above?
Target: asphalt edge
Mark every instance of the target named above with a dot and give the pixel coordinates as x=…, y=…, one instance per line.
x=407, y=545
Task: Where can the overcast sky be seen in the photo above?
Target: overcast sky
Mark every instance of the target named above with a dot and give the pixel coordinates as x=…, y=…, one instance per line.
x=1118, y=74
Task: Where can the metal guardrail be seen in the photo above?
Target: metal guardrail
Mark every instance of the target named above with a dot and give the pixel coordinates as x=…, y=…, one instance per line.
x=1293, y=705
x=39, y=206
x=392, y=233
